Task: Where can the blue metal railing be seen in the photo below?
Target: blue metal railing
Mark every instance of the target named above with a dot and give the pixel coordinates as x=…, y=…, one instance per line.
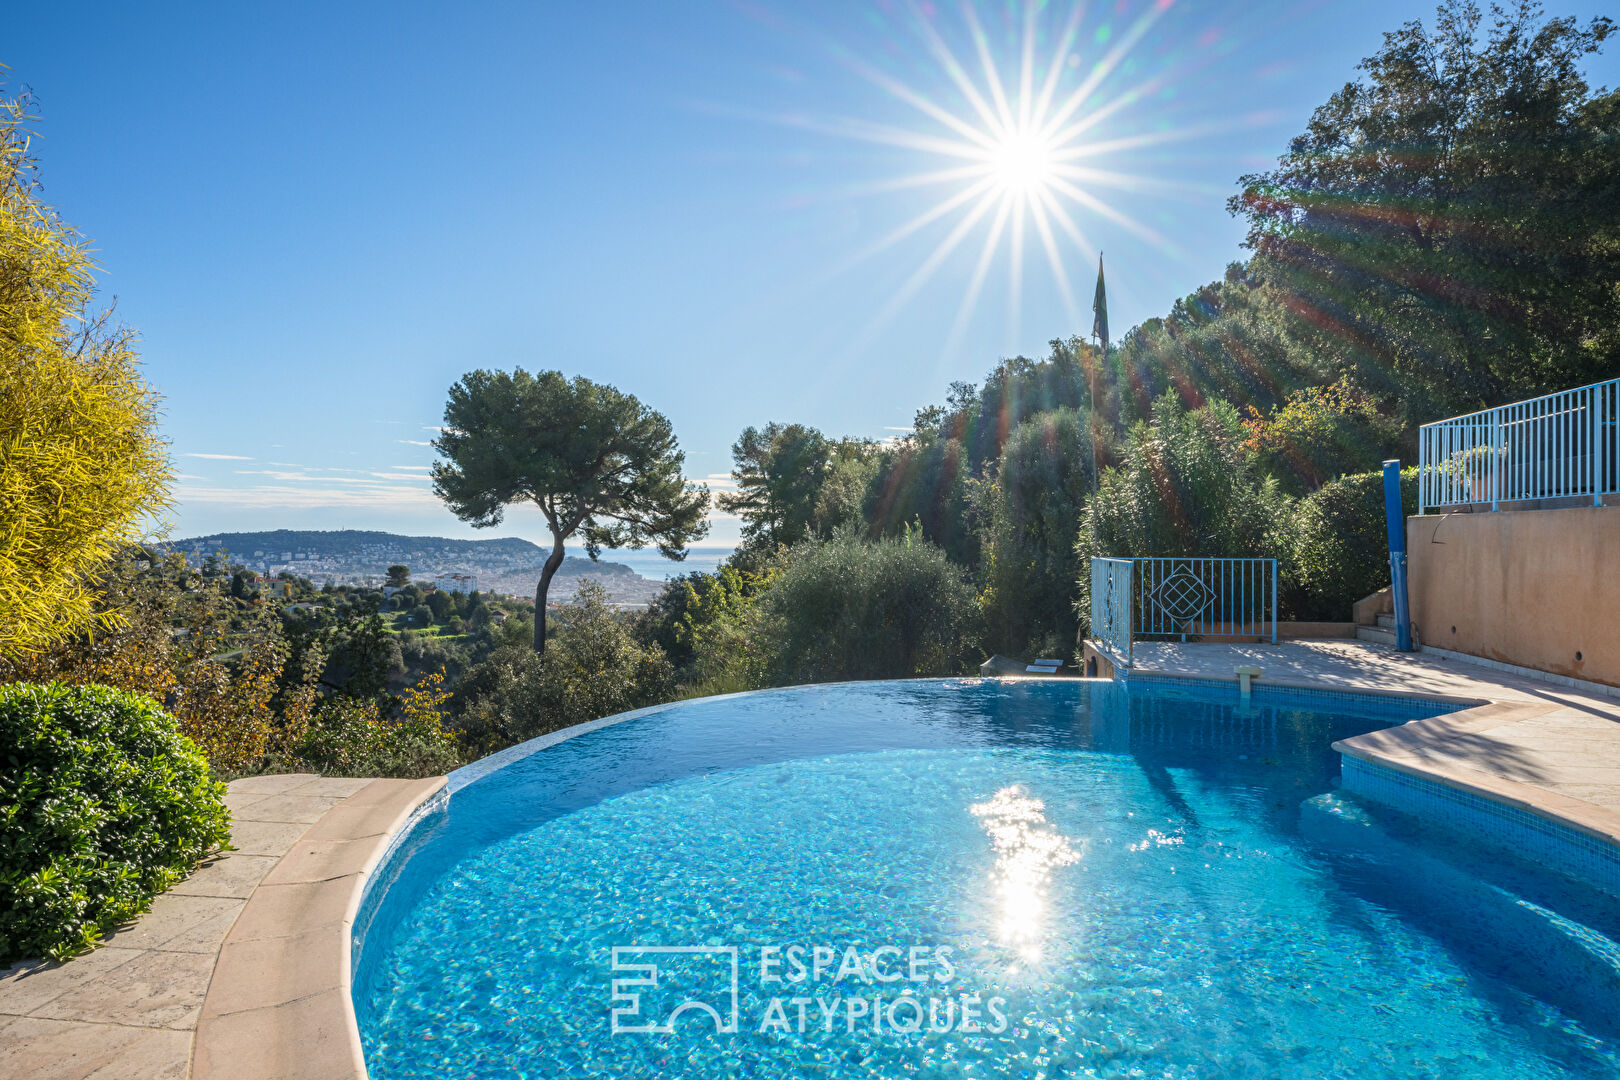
x=1184, y=597
x=1176, y=598
x=1111, y=606
x=1558, y=446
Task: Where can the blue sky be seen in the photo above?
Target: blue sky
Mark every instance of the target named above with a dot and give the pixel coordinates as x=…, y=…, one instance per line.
x=320, y=215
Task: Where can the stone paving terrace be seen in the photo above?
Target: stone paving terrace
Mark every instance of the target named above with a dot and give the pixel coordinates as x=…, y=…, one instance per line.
x=131, y=1009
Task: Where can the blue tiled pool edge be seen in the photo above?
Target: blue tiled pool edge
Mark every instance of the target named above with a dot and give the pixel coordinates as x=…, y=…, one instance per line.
x=1521, y=831
x=1303, y=694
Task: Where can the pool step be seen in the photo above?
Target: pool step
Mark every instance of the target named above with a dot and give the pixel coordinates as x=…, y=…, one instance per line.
x=1375, y=633
x=1386, y=620
x=1553, y=938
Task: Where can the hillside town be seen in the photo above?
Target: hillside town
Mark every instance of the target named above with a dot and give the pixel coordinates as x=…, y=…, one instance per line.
x=507, y=566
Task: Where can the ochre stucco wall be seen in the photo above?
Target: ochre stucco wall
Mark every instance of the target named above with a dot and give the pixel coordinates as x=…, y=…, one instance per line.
x=1539, y=588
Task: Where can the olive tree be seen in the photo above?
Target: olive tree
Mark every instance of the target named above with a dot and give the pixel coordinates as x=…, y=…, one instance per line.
x=596, y=462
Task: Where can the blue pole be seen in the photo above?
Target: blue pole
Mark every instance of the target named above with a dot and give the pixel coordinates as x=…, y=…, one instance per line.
x=1397, y=554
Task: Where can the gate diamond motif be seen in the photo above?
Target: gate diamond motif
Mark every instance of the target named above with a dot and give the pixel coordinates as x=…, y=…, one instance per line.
x=1182, y=596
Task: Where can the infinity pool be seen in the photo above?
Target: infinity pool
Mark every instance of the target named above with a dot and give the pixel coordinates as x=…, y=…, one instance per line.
x=942, y=879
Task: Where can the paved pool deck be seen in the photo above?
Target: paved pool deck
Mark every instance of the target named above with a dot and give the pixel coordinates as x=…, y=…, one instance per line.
x=1540, y=745
x=241, y=971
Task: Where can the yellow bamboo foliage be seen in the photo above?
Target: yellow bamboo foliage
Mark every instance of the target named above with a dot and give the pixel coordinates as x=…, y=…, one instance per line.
x=82, y=468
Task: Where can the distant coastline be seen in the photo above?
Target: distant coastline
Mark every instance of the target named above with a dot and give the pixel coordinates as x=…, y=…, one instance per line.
x=650, y=564
x=509, y=565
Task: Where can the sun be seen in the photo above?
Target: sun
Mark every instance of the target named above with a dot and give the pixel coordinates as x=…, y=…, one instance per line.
x=1019, y=150
x=1021, y=163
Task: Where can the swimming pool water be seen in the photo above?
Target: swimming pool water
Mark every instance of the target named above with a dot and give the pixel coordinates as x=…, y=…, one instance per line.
x=1153, y=882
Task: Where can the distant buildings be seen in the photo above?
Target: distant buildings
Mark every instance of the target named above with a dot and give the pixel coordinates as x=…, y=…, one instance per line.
x=462, y=583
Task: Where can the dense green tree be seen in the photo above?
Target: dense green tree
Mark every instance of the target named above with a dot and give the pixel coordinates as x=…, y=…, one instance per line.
x=1225, y=342
x=595, y=461
x=851, y=471
x=1318, y=434
x=1185, y=485
x=675, y=618
x=399, y=576
x=1446, y=229
x=440, y=603
x=923, y=483
x=779, y=471
x=1030, y=511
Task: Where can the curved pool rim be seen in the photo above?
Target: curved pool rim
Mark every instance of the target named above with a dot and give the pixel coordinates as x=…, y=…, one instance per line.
x=1450, y=707
x=385, y=870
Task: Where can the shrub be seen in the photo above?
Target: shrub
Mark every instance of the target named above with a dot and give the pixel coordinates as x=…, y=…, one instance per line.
x=593, y=666
x=402, y=737
x=719, y=630
x=1341, y=542
x=104, y=804
x=228, y=676
x=1185, y=486
x=857, y=609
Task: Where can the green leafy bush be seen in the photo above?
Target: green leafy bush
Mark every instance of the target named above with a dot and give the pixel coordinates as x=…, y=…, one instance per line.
x=593, y=666
x=400, y=736
x=103, y=804
x=1341, y=543
x=1185, y=485
x=858, y=609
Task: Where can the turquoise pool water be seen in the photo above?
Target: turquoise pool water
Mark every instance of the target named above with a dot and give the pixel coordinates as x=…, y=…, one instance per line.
x=974, y=879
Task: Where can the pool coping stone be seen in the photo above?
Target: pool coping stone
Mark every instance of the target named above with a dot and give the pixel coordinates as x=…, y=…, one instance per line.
x=278, y=1005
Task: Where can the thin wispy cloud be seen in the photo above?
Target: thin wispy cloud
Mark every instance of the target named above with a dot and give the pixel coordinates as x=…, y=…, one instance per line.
x=365, y=497
x=413, y=442
x=719, y=481
x=219, y=457
x=310, y=477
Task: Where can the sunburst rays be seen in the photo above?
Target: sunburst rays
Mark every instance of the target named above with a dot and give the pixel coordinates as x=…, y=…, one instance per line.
x=1014, y=147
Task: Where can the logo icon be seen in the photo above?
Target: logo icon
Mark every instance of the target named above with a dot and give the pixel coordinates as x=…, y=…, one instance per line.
x=664, y=982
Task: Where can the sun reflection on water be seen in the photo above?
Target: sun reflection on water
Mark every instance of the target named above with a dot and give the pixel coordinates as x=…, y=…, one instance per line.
x=1027, y=849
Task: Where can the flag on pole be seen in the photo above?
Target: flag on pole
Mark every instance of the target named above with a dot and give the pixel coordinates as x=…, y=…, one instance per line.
x=1099, y=307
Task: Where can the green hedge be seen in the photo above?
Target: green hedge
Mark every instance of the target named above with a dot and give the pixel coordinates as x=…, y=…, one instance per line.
x=103, y=804
x=1341, y=542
